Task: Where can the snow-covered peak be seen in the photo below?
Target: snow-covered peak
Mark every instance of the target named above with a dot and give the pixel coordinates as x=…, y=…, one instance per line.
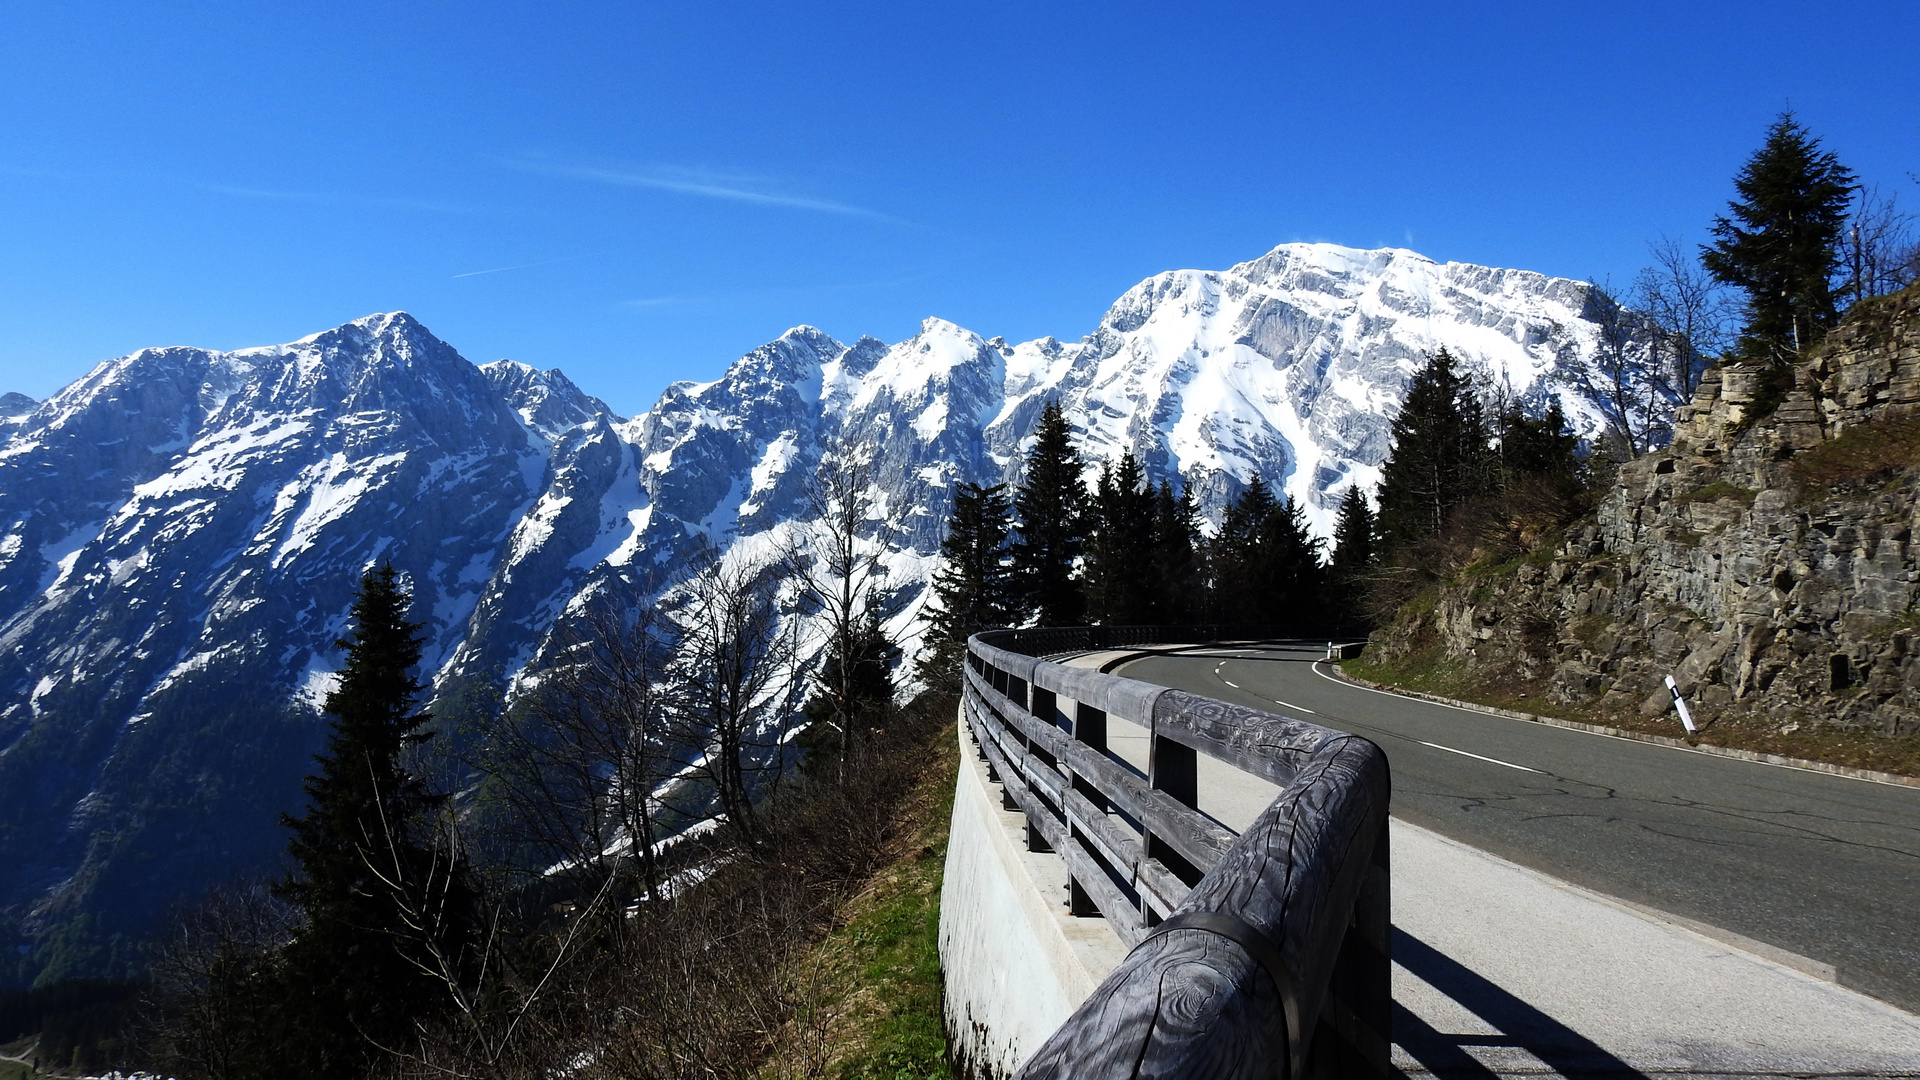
x=547, y=401
x=183, y=528
x=380, y=324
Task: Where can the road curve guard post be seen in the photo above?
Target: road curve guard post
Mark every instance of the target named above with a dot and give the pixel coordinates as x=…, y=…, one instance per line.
x=1264, y=955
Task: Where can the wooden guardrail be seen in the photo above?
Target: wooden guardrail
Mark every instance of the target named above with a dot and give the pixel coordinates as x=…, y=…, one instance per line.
x=1262, y=955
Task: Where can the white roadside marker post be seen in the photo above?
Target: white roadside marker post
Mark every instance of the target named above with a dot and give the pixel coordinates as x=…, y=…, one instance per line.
x=1680, y=704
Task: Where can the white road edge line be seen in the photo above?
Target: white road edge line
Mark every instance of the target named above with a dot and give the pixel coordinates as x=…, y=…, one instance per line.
x=1476, y=757
x=1403, y=697
x=1231, y=683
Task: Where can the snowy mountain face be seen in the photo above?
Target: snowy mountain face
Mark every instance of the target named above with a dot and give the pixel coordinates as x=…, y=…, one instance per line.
x=181, y=531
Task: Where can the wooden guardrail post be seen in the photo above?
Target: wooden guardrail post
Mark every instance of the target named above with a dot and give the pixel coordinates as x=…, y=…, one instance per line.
x=1175, y=770
x=1090, y=730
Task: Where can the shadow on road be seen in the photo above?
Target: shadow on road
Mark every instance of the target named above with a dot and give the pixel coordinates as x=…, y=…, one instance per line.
x=1520, y=1025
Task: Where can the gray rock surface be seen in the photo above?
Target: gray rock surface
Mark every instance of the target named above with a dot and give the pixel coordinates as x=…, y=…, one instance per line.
x=1767, y=561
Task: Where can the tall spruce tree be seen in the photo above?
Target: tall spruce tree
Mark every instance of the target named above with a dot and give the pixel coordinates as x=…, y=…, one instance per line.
x=1440, y=457
x=1234, y=557
x=1119, y=572
x=1289, y=583
x=1538, y=450
x=1353, y=557
x=868, y=679
x=1051, y=532
x=1781, y=244
x=973, y=590
x=389, y=911
x=1177, y=583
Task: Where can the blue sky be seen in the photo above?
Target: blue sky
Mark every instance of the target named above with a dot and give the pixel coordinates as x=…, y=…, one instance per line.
x=639, y=193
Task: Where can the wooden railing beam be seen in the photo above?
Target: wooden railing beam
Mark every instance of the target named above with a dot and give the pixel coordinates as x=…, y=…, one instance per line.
x=1272, y=959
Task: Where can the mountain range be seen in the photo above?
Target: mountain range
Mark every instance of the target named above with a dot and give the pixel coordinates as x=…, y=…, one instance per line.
x=182, y=530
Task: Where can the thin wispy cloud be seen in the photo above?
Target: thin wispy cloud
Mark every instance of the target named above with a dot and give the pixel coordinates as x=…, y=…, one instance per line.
x=525, y=266
x=729, y=187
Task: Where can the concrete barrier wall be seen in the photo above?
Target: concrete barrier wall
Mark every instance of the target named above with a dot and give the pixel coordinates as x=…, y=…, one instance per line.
x=1015, y=963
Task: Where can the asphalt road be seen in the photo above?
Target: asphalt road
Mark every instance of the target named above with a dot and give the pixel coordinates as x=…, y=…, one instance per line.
x=1824, y=866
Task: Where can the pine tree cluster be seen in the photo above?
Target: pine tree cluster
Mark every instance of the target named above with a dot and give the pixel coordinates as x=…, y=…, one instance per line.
x=1116, y=549
x=1461, y=479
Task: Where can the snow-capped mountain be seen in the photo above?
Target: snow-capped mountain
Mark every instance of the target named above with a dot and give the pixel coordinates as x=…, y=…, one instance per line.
x=181, y=530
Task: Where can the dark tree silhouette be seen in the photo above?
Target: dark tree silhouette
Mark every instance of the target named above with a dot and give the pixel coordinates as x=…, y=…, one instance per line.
x=1440, y=455
x=1119, y=572
x=974, y=588
x=868, y=678
x=1781, y=244
x=1234, y=556
x=1178, y=582
x=1353, y=558
x=389, y=909
x=1289, y=584
x=1051, y=534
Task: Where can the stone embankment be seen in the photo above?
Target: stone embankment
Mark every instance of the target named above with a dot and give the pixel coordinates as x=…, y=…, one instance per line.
x=1766, y=558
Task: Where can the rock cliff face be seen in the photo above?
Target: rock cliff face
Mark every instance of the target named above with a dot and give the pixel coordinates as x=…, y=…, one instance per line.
x=1766, y=561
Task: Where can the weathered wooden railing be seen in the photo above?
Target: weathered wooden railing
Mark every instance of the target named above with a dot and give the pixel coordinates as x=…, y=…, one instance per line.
x=1262, y=955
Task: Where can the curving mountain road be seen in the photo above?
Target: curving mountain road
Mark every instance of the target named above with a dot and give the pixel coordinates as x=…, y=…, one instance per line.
x=1824, y=866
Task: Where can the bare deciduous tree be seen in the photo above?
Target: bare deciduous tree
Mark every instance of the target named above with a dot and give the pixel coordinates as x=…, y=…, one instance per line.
x=1623, y=374
x=209, y=970
x=1690, y=311
x=583, y=764
x=491, y=1026
x=1878, y=252
x=837, y=563
x=735, y=681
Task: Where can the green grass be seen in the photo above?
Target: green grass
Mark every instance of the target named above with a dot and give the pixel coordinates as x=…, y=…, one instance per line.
x=898, y=941
x=13, y=1070
x=1860, y=453
x=877, y=975
x=1429, y=670
x=1716, y=491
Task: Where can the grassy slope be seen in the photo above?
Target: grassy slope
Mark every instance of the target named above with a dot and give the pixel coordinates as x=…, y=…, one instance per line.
x=874, y=982
x=1431, y=671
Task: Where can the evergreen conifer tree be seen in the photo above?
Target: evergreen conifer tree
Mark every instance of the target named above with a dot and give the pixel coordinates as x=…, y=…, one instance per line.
x=1051, y=532
x=1542, y=449
x=1440, y=456
x=1237, y=565
x=1781, y=245
x=1247, y=515
x=1176, y=541
x=974, y=588
x=869, y=683
x=1120, y=564
x=1289, y=585
x=1352, y=557
x=389, y=912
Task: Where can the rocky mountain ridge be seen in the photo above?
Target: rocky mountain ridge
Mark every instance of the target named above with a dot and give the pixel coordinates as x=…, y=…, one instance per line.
x=1766, y=559
x=182, y=529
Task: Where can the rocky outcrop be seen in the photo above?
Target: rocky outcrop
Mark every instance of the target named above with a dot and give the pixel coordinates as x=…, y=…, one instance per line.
x=1766, y=561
